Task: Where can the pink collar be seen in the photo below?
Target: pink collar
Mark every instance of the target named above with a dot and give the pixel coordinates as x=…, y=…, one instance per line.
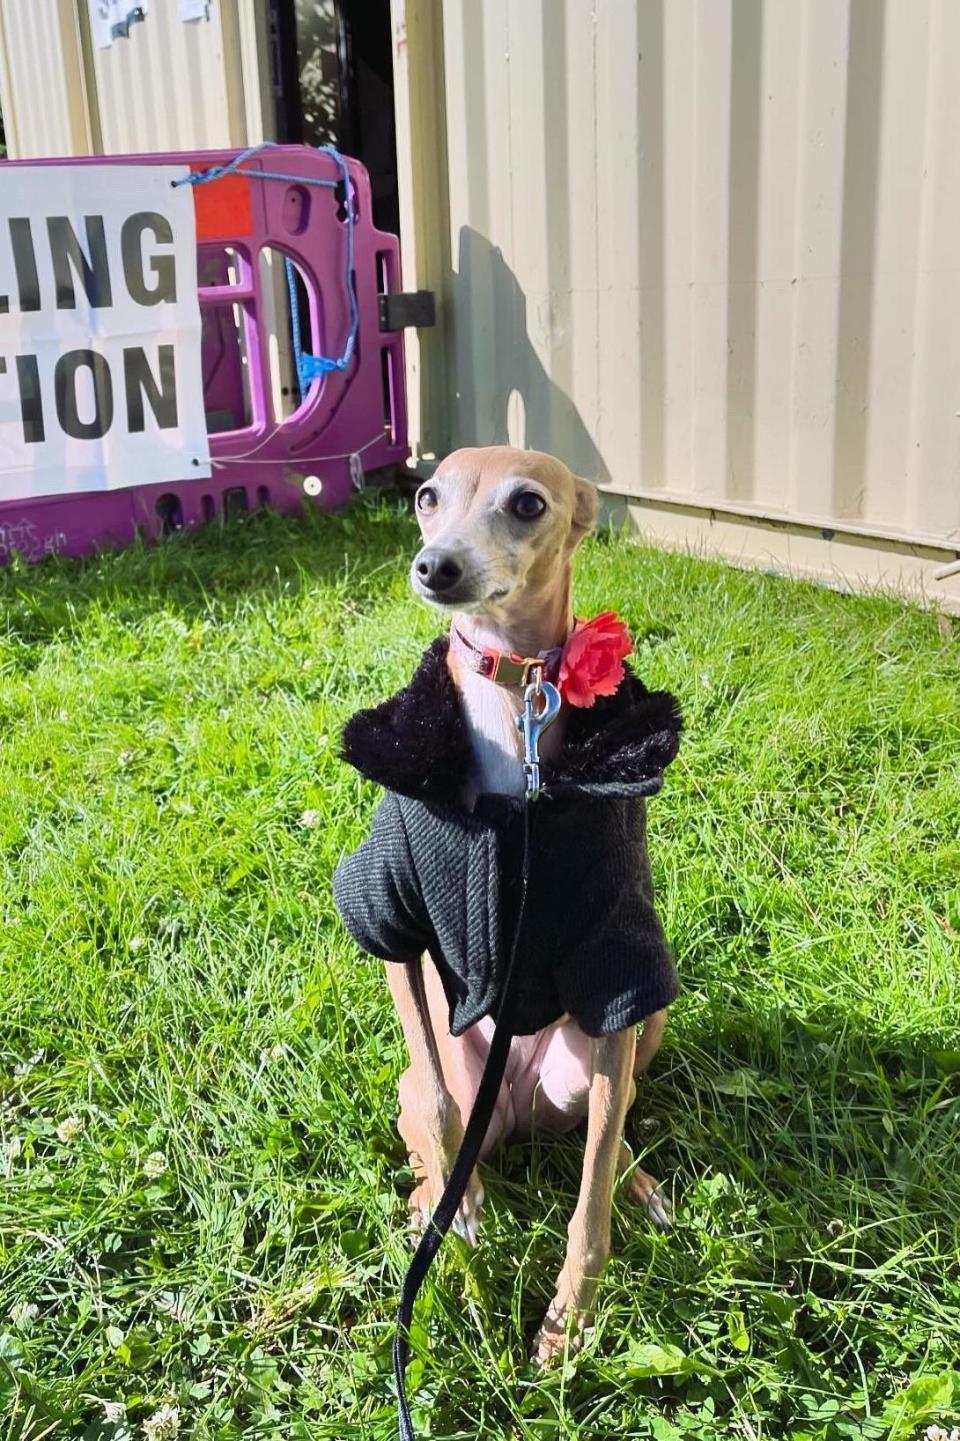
x=501, y=666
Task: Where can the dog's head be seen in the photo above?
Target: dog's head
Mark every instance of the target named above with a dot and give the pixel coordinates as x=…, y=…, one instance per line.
x=498, y=525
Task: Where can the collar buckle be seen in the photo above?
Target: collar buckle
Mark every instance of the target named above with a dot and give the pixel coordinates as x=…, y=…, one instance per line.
x=502, y=667
x=512, y=669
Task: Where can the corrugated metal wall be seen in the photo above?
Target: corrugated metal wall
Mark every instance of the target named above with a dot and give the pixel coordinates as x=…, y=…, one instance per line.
x=170, y=85
x=707, y=250
x=42, y=91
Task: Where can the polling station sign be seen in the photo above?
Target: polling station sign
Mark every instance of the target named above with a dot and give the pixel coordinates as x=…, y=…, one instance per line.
x=100, y=375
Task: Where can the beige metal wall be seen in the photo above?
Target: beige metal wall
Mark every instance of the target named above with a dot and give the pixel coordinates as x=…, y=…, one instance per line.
x=172, y=85
x=707, y=250
x=42, y=91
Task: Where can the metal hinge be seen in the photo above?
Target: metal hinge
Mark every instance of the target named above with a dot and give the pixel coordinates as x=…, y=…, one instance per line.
x=406, y=309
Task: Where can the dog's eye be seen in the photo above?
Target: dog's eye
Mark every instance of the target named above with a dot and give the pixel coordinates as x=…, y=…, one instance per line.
x=528, y=505
x=427, y=500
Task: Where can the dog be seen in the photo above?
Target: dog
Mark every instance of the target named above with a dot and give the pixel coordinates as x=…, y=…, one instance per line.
x=500, y=528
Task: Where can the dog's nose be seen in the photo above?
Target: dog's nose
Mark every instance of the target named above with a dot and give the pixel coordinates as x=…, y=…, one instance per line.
x=437, y=571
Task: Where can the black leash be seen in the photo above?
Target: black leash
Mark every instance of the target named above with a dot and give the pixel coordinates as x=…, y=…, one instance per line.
x=531, y=723
x=476, y=1129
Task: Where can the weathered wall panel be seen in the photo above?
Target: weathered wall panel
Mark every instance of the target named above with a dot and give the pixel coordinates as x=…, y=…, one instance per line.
x=172, y=85
x=42, y=94
x=706, y=249
x=420, y=108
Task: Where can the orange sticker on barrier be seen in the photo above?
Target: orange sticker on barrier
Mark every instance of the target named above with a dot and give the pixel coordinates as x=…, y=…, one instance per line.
x=223, y=207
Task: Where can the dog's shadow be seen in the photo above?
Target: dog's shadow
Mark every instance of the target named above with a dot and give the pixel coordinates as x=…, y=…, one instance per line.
x=487, y=375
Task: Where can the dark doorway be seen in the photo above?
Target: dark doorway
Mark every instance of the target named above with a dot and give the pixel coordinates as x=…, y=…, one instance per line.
x=332, y=70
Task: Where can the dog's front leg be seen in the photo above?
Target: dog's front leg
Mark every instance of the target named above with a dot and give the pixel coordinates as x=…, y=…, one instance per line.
x=644, y=1187
x=429, y=1120
x=588, y=1244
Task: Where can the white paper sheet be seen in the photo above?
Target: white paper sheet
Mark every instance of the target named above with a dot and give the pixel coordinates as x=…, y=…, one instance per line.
x=111, y=19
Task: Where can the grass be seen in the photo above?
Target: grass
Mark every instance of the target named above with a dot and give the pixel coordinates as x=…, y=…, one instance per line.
x=172, y=976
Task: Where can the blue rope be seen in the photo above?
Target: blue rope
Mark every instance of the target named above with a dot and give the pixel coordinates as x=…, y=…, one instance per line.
x=295, y=322
x=309, y=367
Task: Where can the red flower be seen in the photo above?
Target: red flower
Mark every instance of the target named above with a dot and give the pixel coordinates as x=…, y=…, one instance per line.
x=592, y=662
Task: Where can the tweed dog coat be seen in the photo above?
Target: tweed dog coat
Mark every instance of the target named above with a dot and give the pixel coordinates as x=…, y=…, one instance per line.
x=433, y=876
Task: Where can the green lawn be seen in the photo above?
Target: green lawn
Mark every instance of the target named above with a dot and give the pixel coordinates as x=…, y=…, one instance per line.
x=174, y=985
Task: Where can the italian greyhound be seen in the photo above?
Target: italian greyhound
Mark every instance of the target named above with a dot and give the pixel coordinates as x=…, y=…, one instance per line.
x=500, y=528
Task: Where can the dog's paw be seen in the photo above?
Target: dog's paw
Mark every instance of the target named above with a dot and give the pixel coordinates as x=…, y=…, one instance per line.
x=648, y=1193
x=561, y=1335
x=570, y=1312
x=466, y=1223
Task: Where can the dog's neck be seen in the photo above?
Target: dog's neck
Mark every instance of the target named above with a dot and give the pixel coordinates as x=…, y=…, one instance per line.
x=536, y=628
x=538, y=624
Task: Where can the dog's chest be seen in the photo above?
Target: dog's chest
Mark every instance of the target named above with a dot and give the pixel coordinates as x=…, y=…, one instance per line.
x=491, y=713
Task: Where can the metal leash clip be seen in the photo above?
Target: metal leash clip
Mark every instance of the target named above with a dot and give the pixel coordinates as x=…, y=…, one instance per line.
x=532, y=723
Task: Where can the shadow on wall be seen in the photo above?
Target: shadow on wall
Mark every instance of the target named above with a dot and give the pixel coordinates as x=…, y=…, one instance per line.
x=502, y=393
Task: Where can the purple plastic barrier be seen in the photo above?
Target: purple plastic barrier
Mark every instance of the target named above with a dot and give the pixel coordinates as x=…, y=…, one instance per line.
x=346, y=424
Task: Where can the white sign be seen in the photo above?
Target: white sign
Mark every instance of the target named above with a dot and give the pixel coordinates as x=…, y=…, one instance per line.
x=100, y=376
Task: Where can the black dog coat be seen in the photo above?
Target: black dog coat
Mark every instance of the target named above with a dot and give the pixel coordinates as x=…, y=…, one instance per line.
x=433, y=876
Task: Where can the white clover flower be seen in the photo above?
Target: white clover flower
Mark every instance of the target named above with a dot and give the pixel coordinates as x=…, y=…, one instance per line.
x=163, y=1425
x=834, y=1227
x=155, y=1165
x=23, y=1313
x=69, y=1129
x=309, y=819
x=136, y=943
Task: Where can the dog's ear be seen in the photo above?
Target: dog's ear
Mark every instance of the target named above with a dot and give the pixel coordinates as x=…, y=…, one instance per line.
x=586, y=504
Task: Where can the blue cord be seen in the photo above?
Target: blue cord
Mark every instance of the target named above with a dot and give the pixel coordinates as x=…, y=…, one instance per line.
x=309, y=367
